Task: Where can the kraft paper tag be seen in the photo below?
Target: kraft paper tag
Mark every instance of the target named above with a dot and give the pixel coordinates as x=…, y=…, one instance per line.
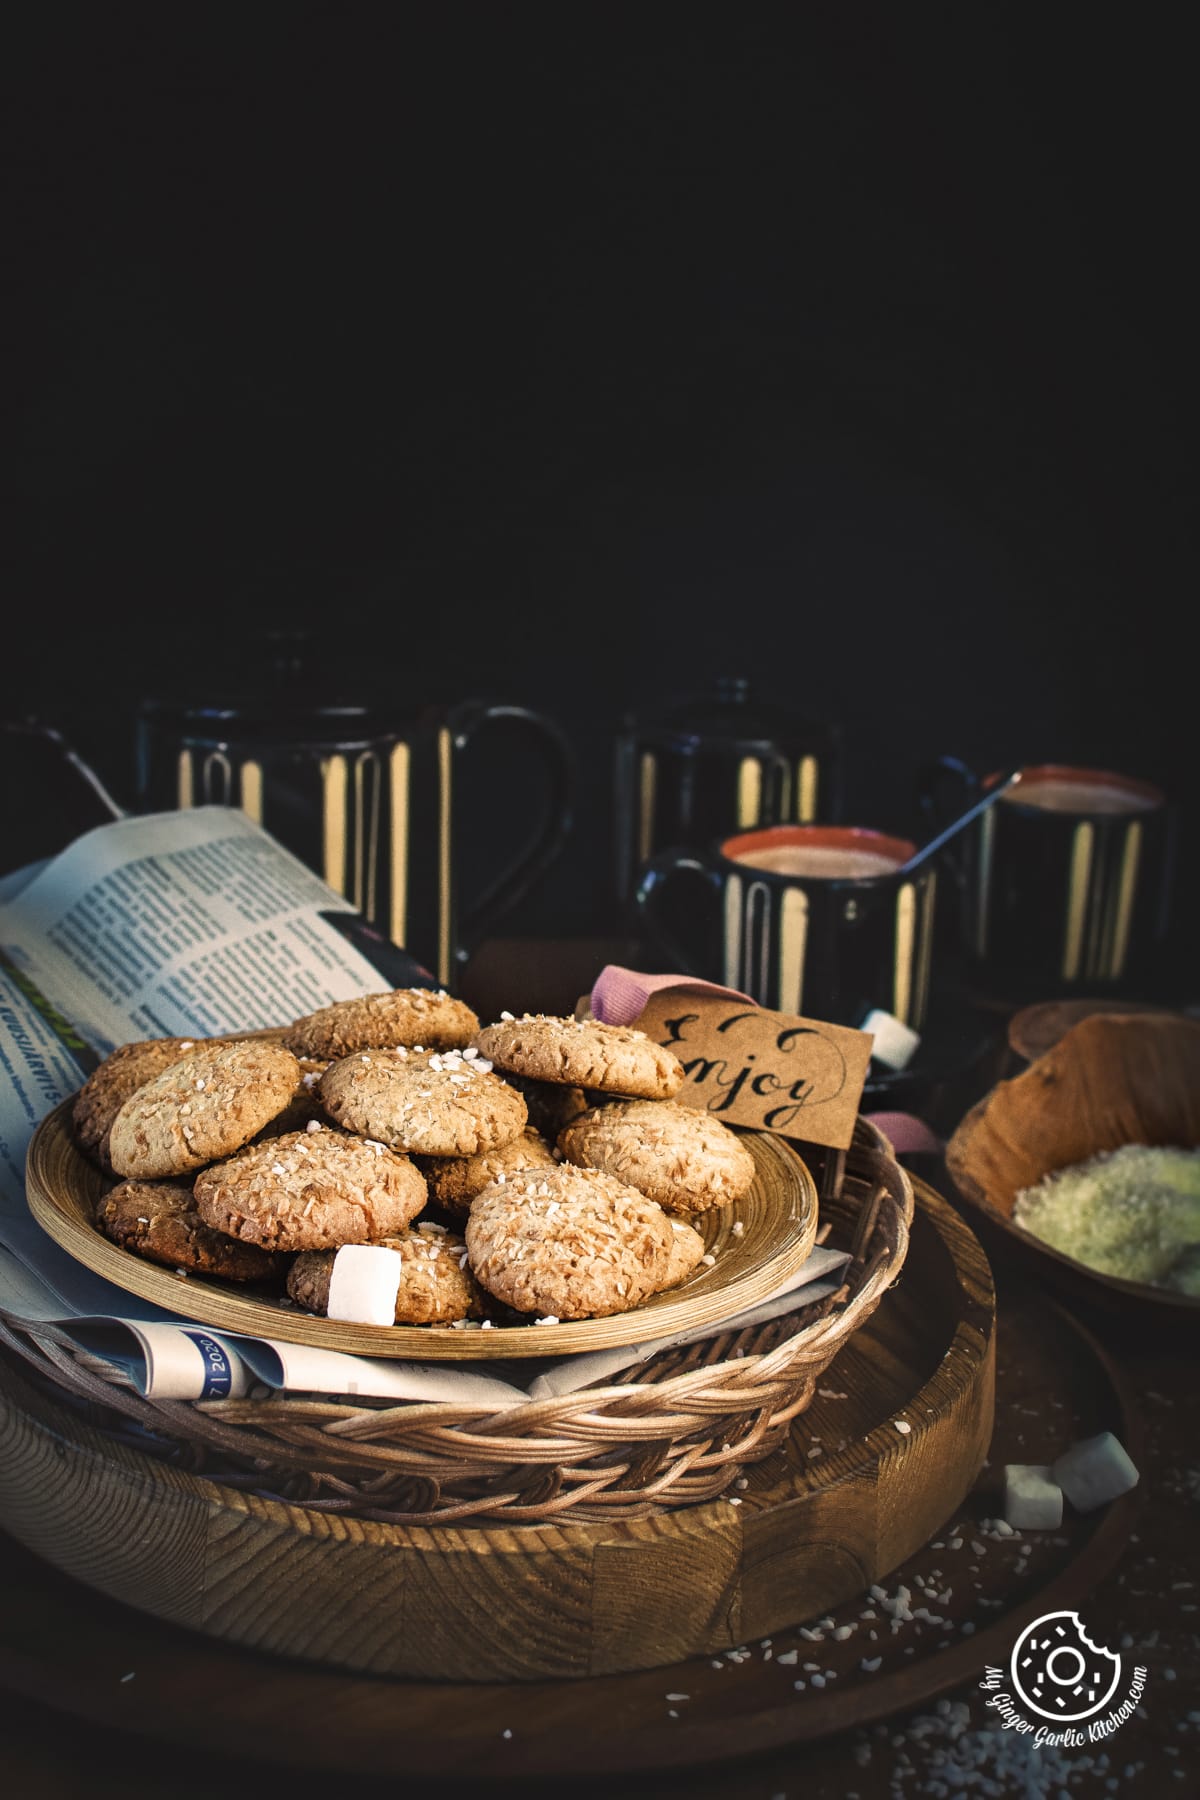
x=774, y=1071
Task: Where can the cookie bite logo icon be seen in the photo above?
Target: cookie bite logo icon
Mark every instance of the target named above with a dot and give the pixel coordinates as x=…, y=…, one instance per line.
x=1060, y=1687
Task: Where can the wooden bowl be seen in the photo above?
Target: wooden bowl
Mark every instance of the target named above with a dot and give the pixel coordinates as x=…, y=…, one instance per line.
x=1035, y=1029
x=1110, y=1079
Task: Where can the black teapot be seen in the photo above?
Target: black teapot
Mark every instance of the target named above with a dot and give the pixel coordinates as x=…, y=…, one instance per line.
x=366, y=790
x=693, y=770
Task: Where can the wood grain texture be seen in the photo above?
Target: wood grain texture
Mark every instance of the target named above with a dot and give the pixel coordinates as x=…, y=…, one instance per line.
x=523, y=1603
x=188, y=1694
x=778, y=1215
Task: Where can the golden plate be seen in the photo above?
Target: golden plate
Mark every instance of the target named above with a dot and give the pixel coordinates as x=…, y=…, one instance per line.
x=778, y=1216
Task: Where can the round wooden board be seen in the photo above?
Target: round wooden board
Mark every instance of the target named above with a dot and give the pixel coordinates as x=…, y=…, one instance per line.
x=572, y=1599
x=776, y=1224
x=103, y=1662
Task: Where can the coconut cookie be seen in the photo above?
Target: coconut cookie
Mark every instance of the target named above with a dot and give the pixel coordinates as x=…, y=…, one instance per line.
x=687, y=1253
x=429, y=1102
x=613, y=1059
x=436, y=1283
x=201, y=1108
x=454, y=1181
x=311, y=1190
x=568, y=1243
x=425, y=1018
x=551, y=1104
x=682, y=1158
x=160, y=1221
x=305, y=1103
x=118, y=1077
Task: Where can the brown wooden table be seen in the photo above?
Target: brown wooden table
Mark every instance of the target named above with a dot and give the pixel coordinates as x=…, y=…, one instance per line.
x=1147, y=1604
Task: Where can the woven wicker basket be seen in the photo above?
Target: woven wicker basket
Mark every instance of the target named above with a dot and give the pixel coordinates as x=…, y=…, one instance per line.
x=677, y=1430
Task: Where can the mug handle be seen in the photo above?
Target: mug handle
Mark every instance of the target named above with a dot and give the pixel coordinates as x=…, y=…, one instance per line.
x=29, y=726
x=653, y=878
x=946, y=786
x=466, y=724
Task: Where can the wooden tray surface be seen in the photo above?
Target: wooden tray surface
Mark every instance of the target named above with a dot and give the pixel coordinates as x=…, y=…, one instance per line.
x=71, y=1647
x=778, y=1219
x=525, y=1602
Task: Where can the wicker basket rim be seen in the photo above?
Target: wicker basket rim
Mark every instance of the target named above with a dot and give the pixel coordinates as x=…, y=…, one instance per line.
x=957, y=1368
x=663, y=1439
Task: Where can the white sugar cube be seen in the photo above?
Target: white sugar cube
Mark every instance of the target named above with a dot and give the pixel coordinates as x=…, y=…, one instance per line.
x=1032, y=1501
x=363, y=1284
x=895, y=1043
x=1093, y=1471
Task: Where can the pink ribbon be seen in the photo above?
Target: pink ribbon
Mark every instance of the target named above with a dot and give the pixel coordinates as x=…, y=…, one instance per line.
x=619, y=995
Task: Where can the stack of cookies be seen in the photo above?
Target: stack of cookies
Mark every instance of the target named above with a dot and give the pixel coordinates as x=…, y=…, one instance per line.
x=536, y=1168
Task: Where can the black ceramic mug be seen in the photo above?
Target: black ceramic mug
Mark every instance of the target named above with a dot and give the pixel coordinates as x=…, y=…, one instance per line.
x=820, y=920
x=371, y=797
x=1064, y=884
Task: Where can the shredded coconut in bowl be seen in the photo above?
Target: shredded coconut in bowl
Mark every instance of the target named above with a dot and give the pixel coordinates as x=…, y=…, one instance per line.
x=1133, y=1213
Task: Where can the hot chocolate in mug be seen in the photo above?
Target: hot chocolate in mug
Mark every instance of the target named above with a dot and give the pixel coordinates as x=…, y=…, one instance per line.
x=1064, y=884
x=819, y=920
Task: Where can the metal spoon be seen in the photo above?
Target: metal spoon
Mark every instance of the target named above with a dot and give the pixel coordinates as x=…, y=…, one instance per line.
x=956, y=825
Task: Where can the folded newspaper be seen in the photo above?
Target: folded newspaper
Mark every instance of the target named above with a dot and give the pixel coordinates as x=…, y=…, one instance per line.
x=201, y=922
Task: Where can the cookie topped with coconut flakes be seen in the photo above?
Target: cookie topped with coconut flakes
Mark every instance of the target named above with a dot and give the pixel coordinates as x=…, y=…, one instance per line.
x=429, y=1102
x=314, y=1189
x=676, y=1155
x=584, y=1053
x=436, y=1285
x=204, y=1106
x=117, y=1078
x=568, y=1243
x=454, y=1181
x=428, y=1018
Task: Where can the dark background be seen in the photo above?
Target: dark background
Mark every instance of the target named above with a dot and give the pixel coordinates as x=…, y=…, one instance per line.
x=575, y=355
